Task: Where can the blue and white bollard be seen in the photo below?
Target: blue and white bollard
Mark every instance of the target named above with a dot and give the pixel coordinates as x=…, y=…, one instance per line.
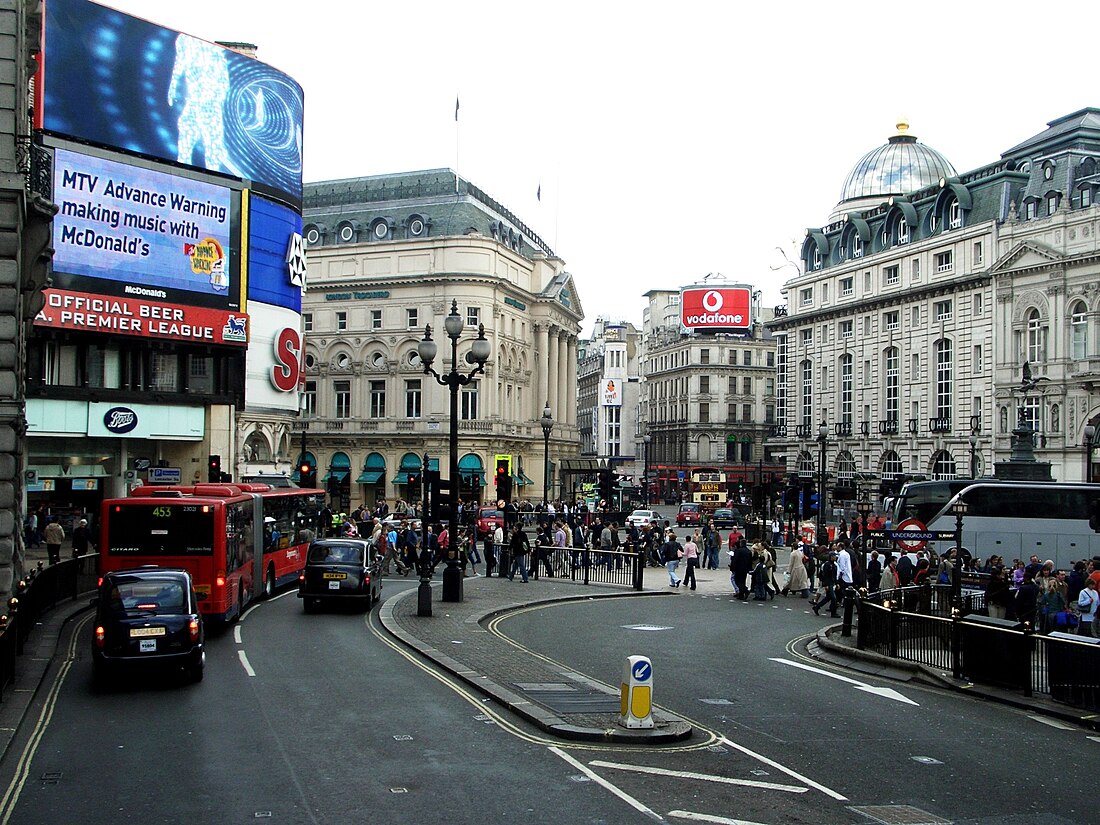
x=636, y=693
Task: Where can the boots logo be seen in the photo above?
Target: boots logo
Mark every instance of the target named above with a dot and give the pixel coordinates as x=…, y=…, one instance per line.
x=120, y=420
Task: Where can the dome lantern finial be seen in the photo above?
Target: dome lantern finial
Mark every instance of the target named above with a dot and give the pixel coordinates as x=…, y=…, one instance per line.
x=903, y=125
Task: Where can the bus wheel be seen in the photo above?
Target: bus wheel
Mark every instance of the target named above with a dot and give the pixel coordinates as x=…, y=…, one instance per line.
x=269, y=582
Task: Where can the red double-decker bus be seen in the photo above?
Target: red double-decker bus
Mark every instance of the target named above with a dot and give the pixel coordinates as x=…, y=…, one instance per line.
x=238, y=541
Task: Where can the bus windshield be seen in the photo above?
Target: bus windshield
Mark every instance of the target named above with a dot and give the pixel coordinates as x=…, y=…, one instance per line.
x=161, y=529
x=924, y=500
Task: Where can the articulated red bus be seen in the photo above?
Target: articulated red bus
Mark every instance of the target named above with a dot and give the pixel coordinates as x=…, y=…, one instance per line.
x=238, y=541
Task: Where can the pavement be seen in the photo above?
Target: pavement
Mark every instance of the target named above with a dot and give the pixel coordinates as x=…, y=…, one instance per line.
x=561, y=702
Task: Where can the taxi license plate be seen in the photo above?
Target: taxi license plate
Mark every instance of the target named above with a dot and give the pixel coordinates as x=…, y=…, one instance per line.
x=335, y=575
x=147, y=645
x=334, y=585
x=139, y=632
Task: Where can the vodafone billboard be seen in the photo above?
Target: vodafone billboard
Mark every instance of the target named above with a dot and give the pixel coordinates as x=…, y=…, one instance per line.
x=716, y=308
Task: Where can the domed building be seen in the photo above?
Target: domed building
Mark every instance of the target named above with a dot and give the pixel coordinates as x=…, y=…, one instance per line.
x=918, y=304
x=900, y=167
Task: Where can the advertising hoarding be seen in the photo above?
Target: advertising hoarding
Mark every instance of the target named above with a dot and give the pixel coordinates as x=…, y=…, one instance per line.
x=716, y=308
x=123, y=82
x=611, y=392
x=271, y=230
x=273, y=363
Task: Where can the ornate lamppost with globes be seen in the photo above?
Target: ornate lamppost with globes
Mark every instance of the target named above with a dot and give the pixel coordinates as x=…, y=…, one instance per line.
x=454, y=381
x=547, y=422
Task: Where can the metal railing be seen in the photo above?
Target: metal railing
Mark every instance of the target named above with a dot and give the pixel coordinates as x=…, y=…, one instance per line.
x=581, y=565
x=37, y=593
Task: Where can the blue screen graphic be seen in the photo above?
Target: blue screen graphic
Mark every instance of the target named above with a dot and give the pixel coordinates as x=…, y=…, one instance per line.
x=125, y=83
x=269, y=229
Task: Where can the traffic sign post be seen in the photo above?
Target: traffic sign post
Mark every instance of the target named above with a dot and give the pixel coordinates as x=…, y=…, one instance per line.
x=636, y=693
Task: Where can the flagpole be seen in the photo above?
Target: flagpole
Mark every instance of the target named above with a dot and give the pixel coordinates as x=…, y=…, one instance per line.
x=456, y=144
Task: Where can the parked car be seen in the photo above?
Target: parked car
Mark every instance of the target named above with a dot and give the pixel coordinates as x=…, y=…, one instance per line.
x=640, y=518
x=488, y=519
x=147, y=616
x=727, y=517
x=340, y=570
x=688, y=516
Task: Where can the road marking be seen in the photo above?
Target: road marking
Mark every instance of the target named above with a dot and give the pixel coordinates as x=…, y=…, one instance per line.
x=725, y=780
x=884, y=692
x=791, y=773
x=256, y=604
x=1093, y=738
x=719, y=820
x=244, y=661
x=237, y=634
x=1054, y=723
x=623, y=795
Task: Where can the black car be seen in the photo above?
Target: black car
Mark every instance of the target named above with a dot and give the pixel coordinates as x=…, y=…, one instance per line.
x=340, y=570
x=147, y=616
x=726, y=518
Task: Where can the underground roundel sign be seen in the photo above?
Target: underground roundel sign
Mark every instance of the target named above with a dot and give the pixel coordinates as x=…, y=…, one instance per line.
x=917, y=542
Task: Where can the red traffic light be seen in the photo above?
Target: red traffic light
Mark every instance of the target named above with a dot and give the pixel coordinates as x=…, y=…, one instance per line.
x=304, y=469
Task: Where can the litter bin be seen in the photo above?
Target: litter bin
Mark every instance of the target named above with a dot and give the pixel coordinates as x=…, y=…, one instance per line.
x=996, y=652
x=1073, y=667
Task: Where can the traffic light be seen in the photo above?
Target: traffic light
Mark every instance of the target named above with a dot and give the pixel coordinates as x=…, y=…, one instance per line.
x=307, y=476
x=504, y=479
x=814, y=503
x=1094, y=519
x=214, y=467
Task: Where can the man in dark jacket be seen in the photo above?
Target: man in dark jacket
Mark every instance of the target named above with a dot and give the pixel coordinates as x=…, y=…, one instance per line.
x=827, y=577
x=874, y=571
x=741, y=565
x=905, y=570
x=520, y=547
x=1027, y=599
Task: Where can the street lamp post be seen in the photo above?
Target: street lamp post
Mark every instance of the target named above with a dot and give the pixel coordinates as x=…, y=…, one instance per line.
x=959, y=509
x=645, y=468
x=822, y=437
x=547, y=422
x=1090, y=445
x=973, y=454
x=453, y=381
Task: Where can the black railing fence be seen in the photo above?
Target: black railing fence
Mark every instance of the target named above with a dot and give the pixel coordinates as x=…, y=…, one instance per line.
x=582, y=565
x=38, y=592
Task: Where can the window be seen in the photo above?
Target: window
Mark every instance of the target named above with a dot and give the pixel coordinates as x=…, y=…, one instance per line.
x=704, y=356
x=704, y=413
x=903, y=231
x=1036, y=337
x=976, y=406
x=890, y=319
x=412, y=398
x=704, y=385
x=979, y=253
x=733, y=386
x=943, y=310
x=866, y=324
x=914, y=368
x=890, y=275
x=747, y=358
x=473, y=316
x=341, y=321
x=376, y=319
x=978, y=307
x=1079, y=331
x=945, y=261
x=866, y=283
x=733, y=358
x=377, y=399
x=807, y=337
x=825, y=292
x=914, y=270
x=1029, y=208
x=943, y=379
x=893, y=384
x=954, y=215
x=807, y=394
x=731, y=413
x=914, y=316
x=468, y=405
x=977, y=359
x=612, y=431
x=412, y=318
x=806, y=296
x=846, y=329
x=1052, y=204
x=748, y=386
x=342, y=391
x=309, y=400
x=943, y=466
x=770, y=358
x=857, y=246
x=307, y=321
x=769, y=386
x=746, y=413
x=1086, y=197
x=824, y=333
x=847, y=286
x=846, y=389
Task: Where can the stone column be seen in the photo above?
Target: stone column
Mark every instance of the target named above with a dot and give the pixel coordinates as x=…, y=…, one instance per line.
x=542, y=356
x=553, y=367
x=570, y=416
x=563, y=375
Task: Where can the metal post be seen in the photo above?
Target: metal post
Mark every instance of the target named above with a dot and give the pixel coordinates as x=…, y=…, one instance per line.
x=849, y=604
x=822, y=536
x=1090, y=435
x=645, y=469
x=423, y=560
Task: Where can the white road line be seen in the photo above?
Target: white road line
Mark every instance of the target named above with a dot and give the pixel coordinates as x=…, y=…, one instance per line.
x=244, y=661
x=599, y=780
x=237, y=634
x=719, y=820
x=751, y=783
x=884, y=692
x=1054, y=723
x=1093, y=738
x=793, y=774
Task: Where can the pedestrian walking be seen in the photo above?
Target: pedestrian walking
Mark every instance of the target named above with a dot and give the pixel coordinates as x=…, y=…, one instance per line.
x=691, y=558
x=520, y=546
x=83, y=543
x=827, y=577
x=55, y=535
x=797, y=578
x=671, y=551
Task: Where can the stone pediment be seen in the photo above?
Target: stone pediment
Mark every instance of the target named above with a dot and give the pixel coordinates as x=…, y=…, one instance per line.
x=1029, y=255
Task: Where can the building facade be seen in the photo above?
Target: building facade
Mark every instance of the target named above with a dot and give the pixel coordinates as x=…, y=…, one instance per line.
x=708, y=403
x=388, y=255
x=918, y=303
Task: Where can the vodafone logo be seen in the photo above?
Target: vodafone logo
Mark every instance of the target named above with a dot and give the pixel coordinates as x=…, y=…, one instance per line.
x=708, y=308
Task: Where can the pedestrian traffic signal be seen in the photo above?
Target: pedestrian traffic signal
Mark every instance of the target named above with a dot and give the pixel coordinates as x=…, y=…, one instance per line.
x=214, y=465
x=814, y=503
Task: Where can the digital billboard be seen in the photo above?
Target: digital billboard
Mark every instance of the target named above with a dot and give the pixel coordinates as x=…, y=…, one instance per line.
x=271, y=230
x=716, y=308
x=122, y=82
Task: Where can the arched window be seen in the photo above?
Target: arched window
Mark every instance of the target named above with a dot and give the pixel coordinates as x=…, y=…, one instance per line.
x=1079, y=331
x=806, y=464
x=1036, y=337
x=893, y=383
x=845, y=468
x=944, y=372
x=943, y=466
x=954, y=214
x=891, y=465
x=846, y=388
x=257, y=449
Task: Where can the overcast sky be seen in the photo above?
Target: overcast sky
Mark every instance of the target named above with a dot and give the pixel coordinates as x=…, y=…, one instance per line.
x=670, y=141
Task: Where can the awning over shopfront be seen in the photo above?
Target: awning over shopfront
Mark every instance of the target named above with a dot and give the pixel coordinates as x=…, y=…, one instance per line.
x=339, y=468
x=471, y=470
x=374, y=469
x=410, y=463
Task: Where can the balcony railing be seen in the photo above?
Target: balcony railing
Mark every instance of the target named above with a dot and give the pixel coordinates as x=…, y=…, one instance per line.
x=842, y=429
x=939, y=425
x=888, y=426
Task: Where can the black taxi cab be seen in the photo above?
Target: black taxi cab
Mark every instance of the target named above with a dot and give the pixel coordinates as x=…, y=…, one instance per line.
x=340, y=570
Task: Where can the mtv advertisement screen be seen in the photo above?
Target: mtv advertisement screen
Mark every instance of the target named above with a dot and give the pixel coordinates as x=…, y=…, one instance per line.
x=121, y=82
x=126, y=224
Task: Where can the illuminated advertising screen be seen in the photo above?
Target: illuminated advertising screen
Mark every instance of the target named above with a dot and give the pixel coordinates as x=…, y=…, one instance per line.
x=271, y=227
x=122, y=82
x=716, y=309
